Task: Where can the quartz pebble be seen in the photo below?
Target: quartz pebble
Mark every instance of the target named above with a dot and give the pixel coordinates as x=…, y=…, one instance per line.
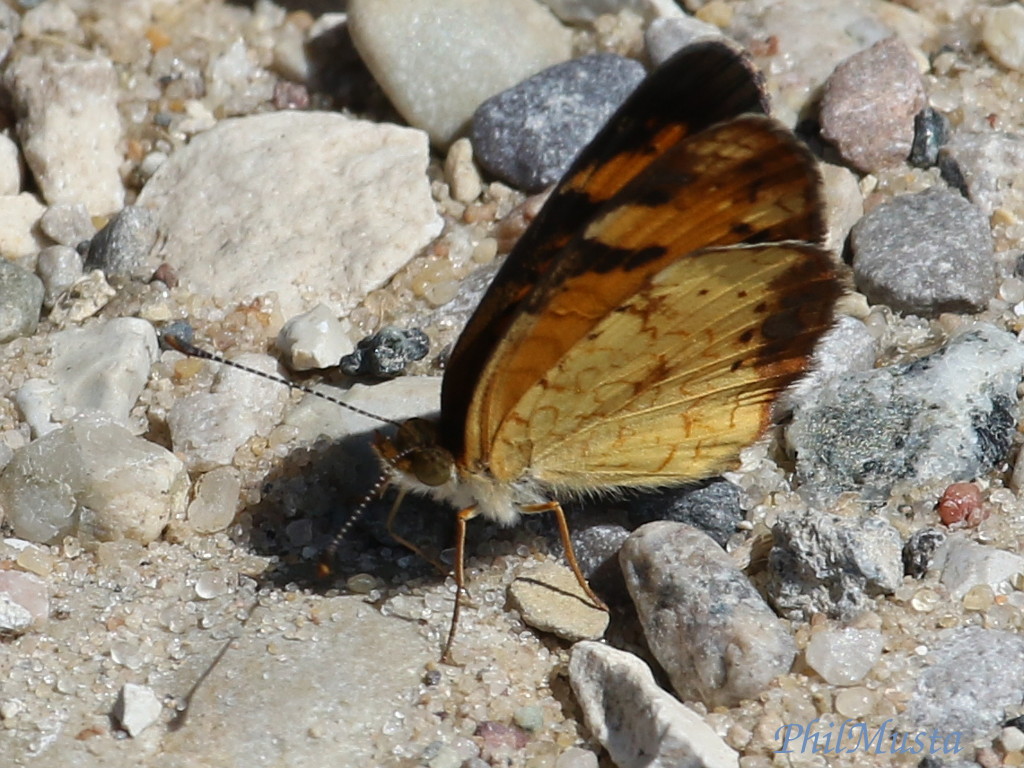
x=438, y=66
x=137, y=708
x=21, y=299
x=966, y=564
x=216, y=497
x=100, y=369
x=347, y=177
x=208, y=427
x=705, y=623
x=94, y=479
x=869, y=104
x=73, y=152
x=315, y=339
x=59, y=267
x=986, y=167
x=844, y=656
x=1002, y=34
x=20, y=237
x=24, y=601
x=639, y=724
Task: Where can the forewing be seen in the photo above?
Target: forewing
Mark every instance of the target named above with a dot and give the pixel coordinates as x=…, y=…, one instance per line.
x=670, y=385
x=744, y=181
x=702, y=85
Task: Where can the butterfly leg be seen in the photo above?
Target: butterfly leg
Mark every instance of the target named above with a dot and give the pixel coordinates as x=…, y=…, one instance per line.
x=416, y=550
x=460, y=577
x=570, y=555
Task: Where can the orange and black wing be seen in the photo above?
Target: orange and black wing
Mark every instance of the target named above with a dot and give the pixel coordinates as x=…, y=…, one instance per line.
x=701, y=85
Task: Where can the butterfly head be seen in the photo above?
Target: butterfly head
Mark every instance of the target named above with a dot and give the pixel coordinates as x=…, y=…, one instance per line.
x=416, y=453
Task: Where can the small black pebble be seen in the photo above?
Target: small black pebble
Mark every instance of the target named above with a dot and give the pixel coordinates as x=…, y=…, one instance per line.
x=919, y=551
x=931, y=132
x=385, y=354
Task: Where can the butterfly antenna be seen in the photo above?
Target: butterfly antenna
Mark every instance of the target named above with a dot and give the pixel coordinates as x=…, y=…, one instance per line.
x=326, y=565
x=179, y=344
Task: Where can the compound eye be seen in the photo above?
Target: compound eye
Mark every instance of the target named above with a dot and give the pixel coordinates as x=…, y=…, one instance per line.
x=432, y=466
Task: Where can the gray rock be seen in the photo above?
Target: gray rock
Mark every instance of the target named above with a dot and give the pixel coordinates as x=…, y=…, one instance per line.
x=93, y=479
x=985, y=166
x=705, y=623
x=59, y=267
x=947, y=417
x=385, y=354
x=713, y=507
x=821, y=563
x=437, y=65
x=122, y=248
x=925, y=254
x=529, y=134
x=971, y=681
x=21, y=299
x=67, y=224
x=639, y=724
x=869, y=104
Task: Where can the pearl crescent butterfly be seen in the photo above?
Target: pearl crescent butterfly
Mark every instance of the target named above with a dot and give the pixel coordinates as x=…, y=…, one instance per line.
x=637, y=335
x=639, y=332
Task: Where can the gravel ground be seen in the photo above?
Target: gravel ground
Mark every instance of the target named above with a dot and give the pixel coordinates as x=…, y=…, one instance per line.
x=250, y=156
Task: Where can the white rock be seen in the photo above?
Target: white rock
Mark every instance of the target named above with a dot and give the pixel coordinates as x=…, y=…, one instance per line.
x=27, y=592
x=54, y=17
x=87, y=296
x=438, y=63
x=137, y=708
x=69, y=126
x=94, y=479
x=19, y=220
x=312, y=206
x=208, y=427
x=639, y=724
x=99, y=369
x=1002, y=34
x=10, y=166
x=965, y=564
x=315, y=339
x=844, y=656
x=216, y=500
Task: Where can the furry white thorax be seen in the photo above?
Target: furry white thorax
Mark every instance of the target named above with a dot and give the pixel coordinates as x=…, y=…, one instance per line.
x=493, y=499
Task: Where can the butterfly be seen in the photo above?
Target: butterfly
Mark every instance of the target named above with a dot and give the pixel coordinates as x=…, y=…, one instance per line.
x=637, y=335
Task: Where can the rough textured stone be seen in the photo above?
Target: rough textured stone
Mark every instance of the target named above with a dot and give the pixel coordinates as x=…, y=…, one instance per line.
x=639, y=724
x=306, y=203
x=69, y=126
x=528, y=134
x=947, y=417
x=869, y=105
x=925, y=254
x=821, y=563
x=550, y=599
x=705, y=623
x=122, y=248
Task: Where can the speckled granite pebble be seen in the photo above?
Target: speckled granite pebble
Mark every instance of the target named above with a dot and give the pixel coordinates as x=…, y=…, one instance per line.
x=869, y=104
x=925, y=254
x=528, y=134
